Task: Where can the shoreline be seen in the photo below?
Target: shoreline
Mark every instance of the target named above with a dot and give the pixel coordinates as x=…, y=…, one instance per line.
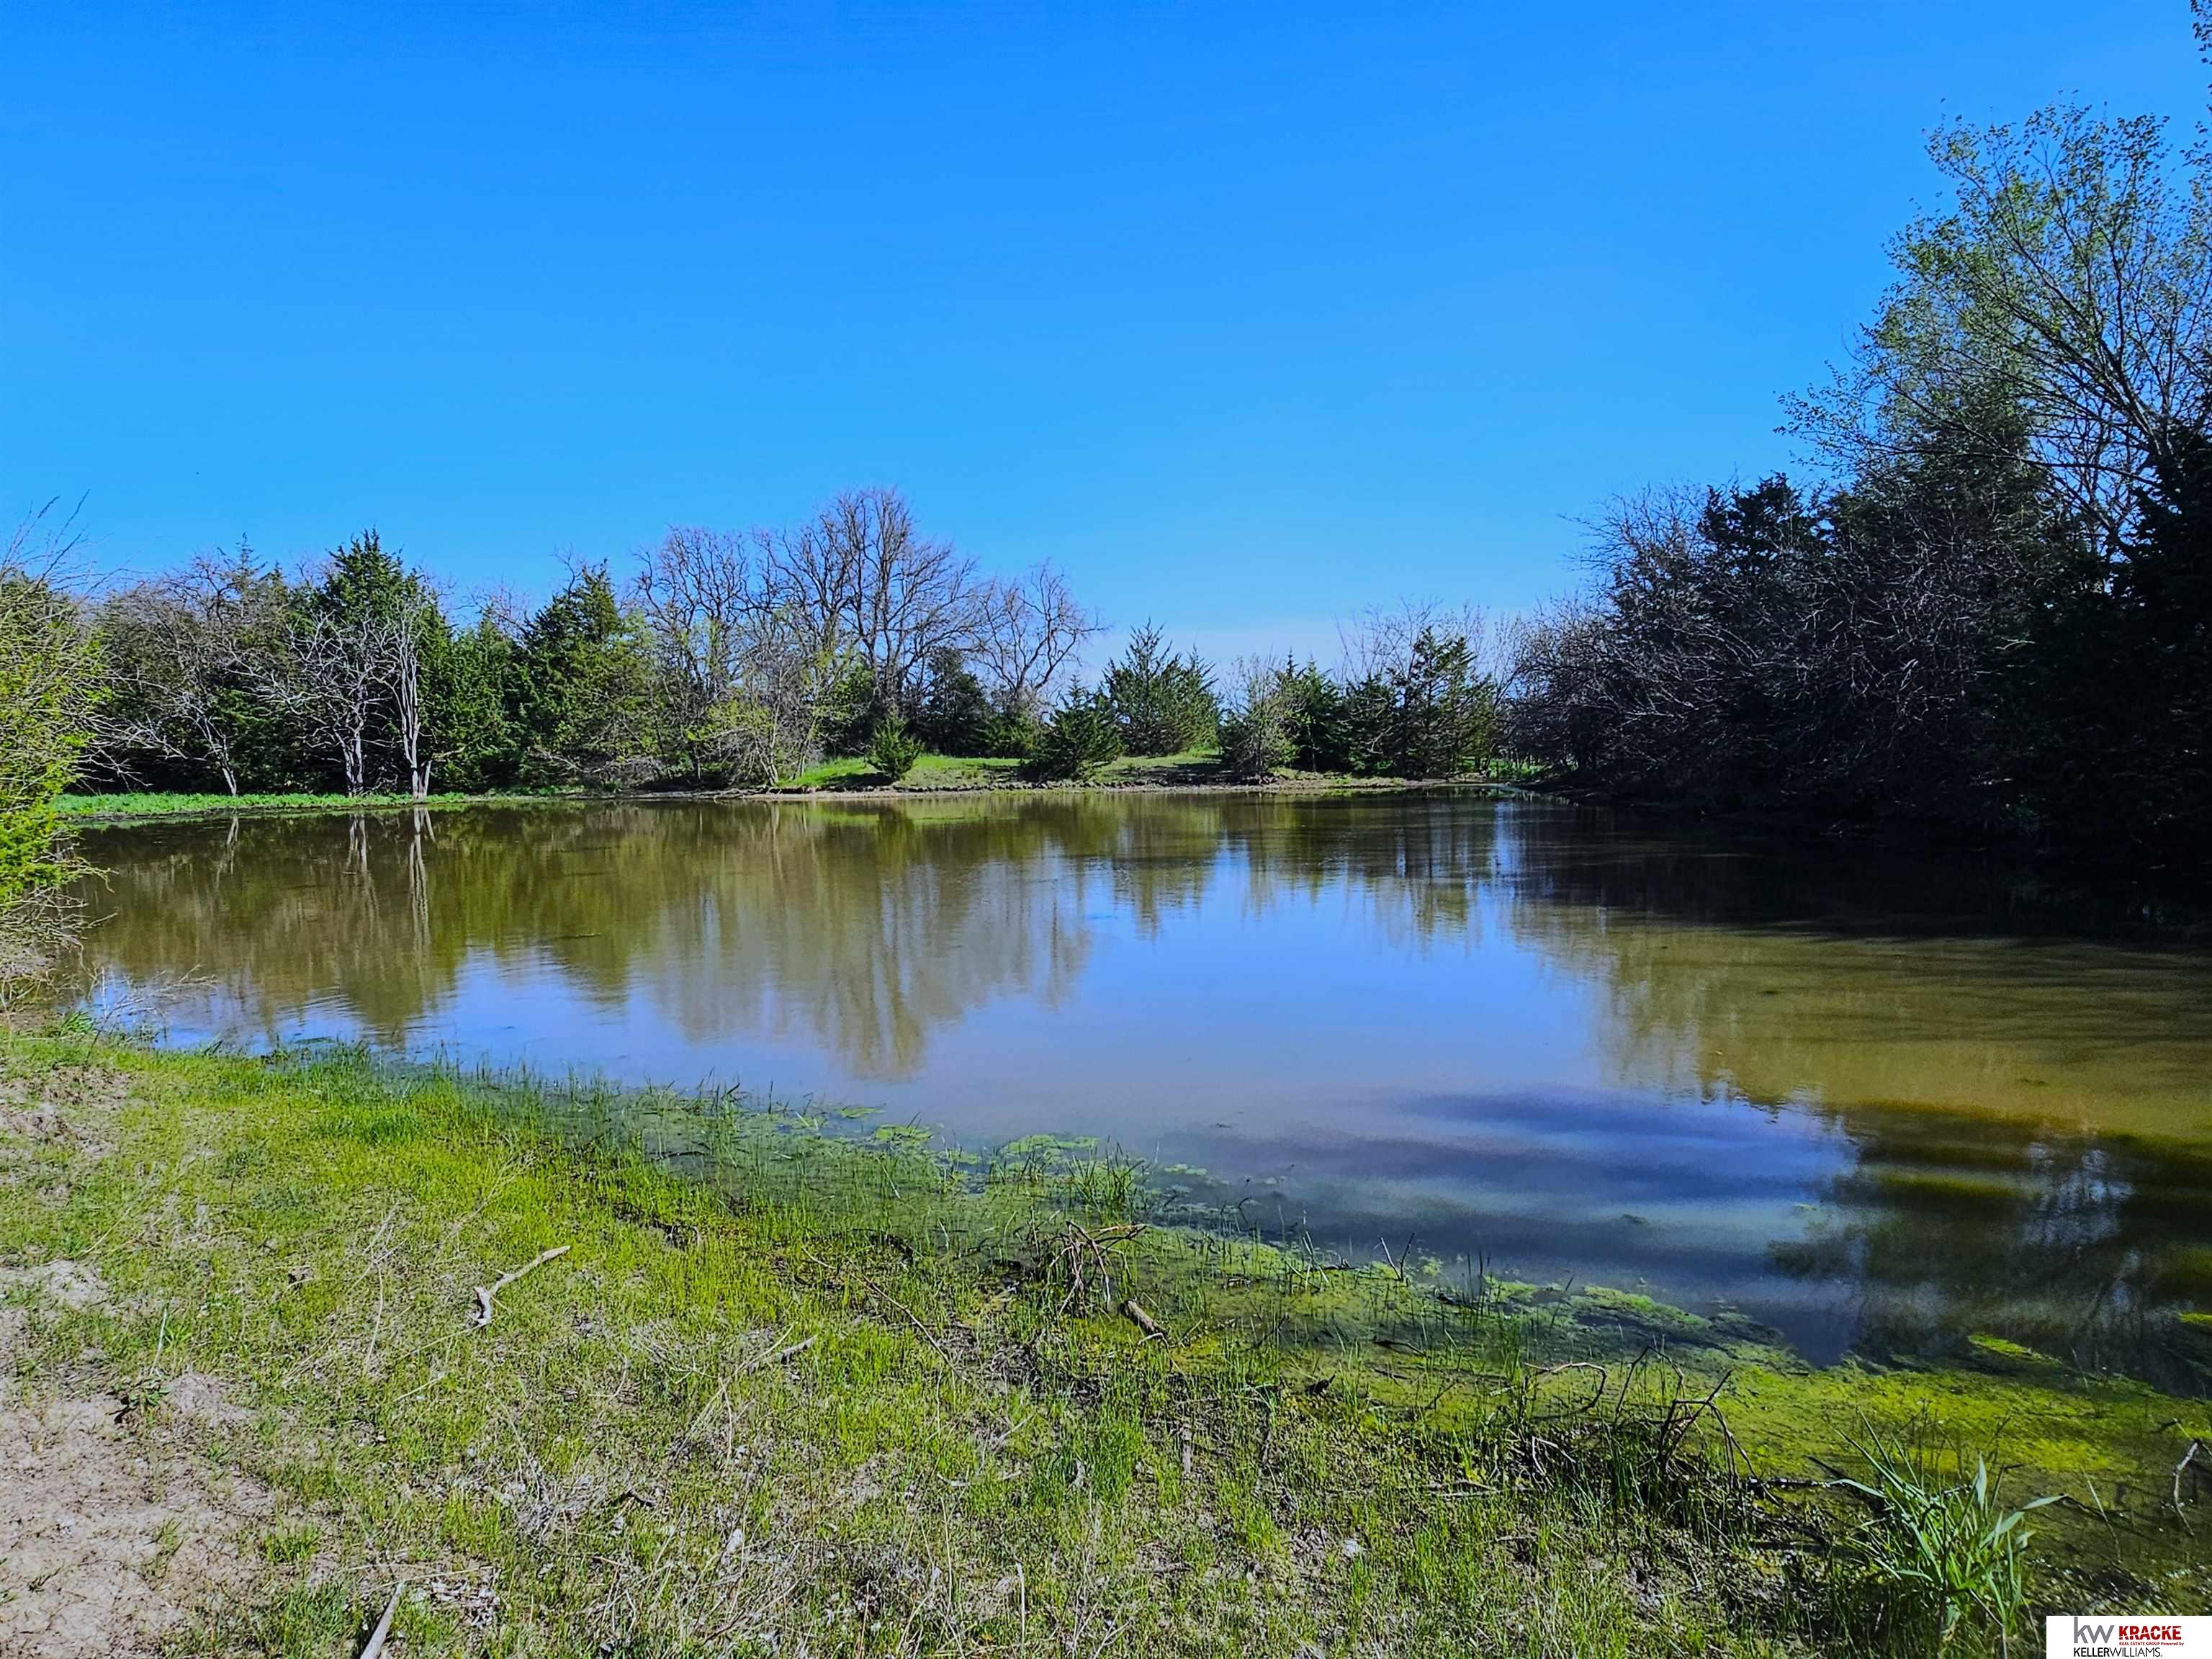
x=84, y=810
x=801, y=1341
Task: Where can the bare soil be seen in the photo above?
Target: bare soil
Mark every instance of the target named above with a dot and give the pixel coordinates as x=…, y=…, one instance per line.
x=114, y=1531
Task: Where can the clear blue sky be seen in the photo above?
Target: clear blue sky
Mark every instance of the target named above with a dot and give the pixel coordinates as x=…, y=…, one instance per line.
x=1246, y=316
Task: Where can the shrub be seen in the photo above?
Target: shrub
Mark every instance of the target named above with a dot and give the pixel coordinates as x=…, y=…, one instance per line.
x=1256, y=733
x=1013, y=734
x=1077, y=742
x=892, y=749
x=49, y=670
x=1937, y=1549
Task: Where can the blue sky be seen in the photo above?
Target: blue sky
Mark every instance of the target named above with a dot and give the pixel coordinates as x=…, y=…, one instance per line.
x=1248, y=317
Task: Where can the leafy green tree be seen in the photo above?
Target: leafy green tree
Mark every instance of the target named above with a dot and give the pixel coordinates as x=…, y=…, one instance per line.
x=1162, y=702
x=50, y=691
x=853, y=705
x=744, y=740
x=584, y=682
x=2064, y=299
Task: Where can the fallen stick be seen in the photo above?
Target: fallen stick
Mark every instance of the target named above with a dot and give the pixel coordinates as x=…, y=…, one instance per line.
x=1143, y=1320
x=483, y=1316
x=384, y=1625
x=877, y=1291
x=2180, y=1469
x=793, y=1351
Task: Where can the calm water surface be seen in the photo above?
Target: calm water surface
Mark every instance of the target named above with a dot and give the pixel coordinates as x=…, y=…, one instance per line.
x=1870, y=1102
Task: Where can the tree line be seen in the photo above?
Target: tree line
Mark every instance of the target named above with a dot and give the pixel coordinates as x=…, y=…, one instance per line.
x=1994, y=612
x=719, y=660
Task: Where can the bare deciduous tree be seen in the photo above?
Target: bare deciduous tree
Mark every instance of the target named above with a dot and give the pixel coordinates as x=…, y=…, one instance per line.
x=182, y=652
x=328, y=677
x=706, y=602
x=1379, y=641
x=1027, y=632
x=861, y=582
x=407, y=635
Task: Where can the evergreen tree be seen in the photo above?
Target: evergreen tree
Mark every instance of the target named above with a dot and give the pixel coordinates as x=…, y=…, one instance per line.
x=1079, y=741
x=477, y=745
x=1162, y=704
x=2115, y=711
x=956, y=715
x=584, y=703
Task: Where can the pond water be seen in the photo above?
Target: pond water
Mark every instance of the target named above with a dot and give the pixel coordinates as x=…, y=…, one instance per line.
x=1878, y=1104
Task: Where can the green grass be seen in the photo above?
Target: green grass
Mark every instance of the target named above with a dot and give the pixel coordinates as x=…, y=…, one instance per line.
x=1939, y=1546
x=1191, y=768
x=930, y=772
x=155, y=805
x=849, y=1393
x=1194, y=767
x=993, y=772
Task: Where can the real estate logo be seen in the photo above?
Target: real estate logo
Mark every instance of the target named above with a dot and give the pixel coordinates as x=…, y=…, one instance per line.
x=2126, y=1636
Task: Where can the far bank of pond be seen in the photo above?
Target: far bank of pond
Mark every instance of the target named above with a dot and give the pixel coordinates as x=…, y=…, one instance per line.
x=933, y=775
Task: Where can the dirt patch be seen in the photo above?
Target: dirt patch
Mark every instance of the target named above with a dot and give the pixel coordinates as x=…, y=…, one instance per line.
x=198, y=1398
x=70, y=1284
x=112, y=1534
x=32, y=1108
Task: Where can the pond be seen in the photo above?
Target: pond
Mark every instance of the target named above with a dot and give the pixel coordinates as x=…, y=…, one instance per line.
x=1881, y=1105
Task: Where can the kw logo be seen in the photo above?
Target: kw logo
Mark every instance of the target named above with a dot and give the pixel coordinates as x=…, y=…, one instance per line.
x=2125, y=1636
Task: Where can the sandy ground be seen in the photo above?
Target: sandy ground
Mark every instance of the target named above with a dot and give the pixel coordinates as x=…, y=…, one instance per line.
x=114, y=1533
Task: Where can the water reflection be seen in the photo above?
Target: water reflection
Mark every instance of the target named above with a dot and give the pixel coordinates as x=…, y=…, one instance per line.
x=1872, y=1102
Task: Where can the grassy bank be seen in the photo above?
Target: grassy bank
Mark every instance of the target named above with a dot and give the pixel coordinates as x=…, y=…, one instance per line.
x=1194, y=767
x=785, y=1391
x=134, y=805
x=931, y=773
